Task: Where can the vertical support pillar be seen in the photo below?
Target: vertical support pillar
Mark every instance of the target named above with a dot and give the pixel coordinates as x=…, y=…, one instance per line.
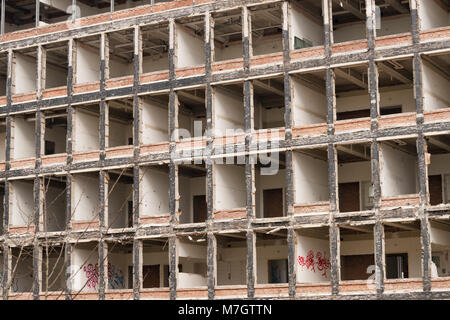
x=68, y=262
x=2, y=18
x=103, y=194
x=104, y=75
x=211, y=264
x=292, y=265
x=334, y=229
x=415, y=20
x=251, y=263
x=137, y=268
x=327, y=9
x=37, y=270
x=6, y=271
x=102, y=268
x=335, y=257
x=173, y=267
x=71, y=73
x=247, y=47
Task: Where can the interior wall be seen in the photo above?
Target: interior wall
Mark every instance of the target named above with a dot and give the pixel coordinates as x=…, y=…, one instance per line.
x=188, y=188
x=118, y=196
x=310, y=105
x=264, y=182
x=155, y=193
x=55, y=209
x=22, y=204
x=154, y=122
x=231, y=266
x=439, y=236
x=85, y=264
x=24, y=139
x=435, y=89
x=86, y=131
x=119, y=133
x=24, y=74
x=264, y=253
x=160, y=258
x=87, y=63
x=267, y=45
x=230, y=189
x=56, y=273
x=119, y=68
x=85, y=197
x=190, y=49
x=2, y=145
x=432, y=15
x=58, y=136
x=398, y=172
x=193, y=259
x=317, y=249
x=56, y=77
x=304, y=27
x=228, y=111
x=23, y=277
x=228, y=52
x=354, y=172
x=310, y=178
x=155, y=63
x=118, y=264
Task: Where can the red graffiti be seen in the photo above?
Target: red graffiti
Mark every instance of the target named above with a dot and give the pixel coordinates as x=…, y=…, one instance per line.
x=91, y=275
x=322, y=263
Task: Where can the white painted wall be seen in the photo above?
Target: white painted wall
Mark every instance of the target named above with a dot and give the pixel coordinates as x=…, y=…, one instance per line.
x=83, y=256
x=85, y=197
x=230, y=190
x=118, y=68
x=155, y=63
x=24, y=138
x=228, y=52
x=267, y=45
x=119, y=195
x=304, y=27
x=87, y=63
x=24, y=74
x=310, y=106
x=398, y=172
x=228, y=111
x=190, y=49
x=22, y=204
x=306, y=244
x=439, y=236
x=155, y=193
x=231, y=266
x=264, y=182
x=86, y=131
x=436, y=94
x=188, y=188
x=155, y=123
x=264, y=253
x=354, y=172
x=310, y=178
x=432, y=15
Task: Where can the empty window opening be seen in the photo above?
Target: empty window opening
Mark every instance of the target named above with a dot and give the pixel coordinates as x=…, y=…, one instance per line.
x=22, y=205
x=270, y=188
x=436, y=81
x=54, y=209
x=155, y=112
x=231, y=259
x=307, y=24
x=3, y=73
x=349, y=20
x=313, y=256
x=433, y=14
x=155, y=265
x=85, y=273
x=230, y=188
x=192, y=257
x=53, y=12
x=120, y=263
x=357, y=252
x=266, y=29
x=440, y=247
x=310, y=178
x=190, y=35
x=392, y=18
x=438, y=175
x=53, y=269
x=87, y=62
x=87, y=8
x=227, y=35
x=120, y=122
x=55, y=132
x=121, y=53
x=354, y=177
x=155, y=48
x=19, y=15
x=192, y=190
x=309, y=104
x=154, y=194
x=120, y=196
x=228, y=113
x=85, y=197
x=24, y=71
x=403, y=250
x=268, y=101
x=23, y=136
x=22, y=269
x=271, y=257
x=191, y=113
x=399, y=170
x=86, y=119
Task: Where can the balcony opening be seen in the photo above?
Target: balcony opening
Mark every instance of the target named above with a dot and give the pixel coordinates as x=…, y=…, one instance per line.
x=56, y=65
x=155, y=47
x=436, y=81
x=53, y=269
x=349, y=20
x=120, y=266
x=392, y=17
x=309, y=100
x=86, y=119
x=354, y=177
x=193, y=261
x=85, y=261
x=19, y=15
x=54, y=209
x=53, y=12
x=227, y=35
x=313, y=256
x=24, y=72
x=438, y=175
x=155, y=115
x=191, y=113
x=228, y=113
x=190, y=35
x=85, y=197
x=268, y=100
x=266, y=28
x=192, y=190
x=22, y=204
x=154, y=194
x=271, y=257
x=121, y=53
x=120, y=198
x=87, y=62
x=399, y=170
x=440, y=248
x=434, y=14
x=270, y=183
x=120, y=122
x=22, y=269
x=306, y=24
x=55, y=131
x=155, y=266
x=231, y=259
